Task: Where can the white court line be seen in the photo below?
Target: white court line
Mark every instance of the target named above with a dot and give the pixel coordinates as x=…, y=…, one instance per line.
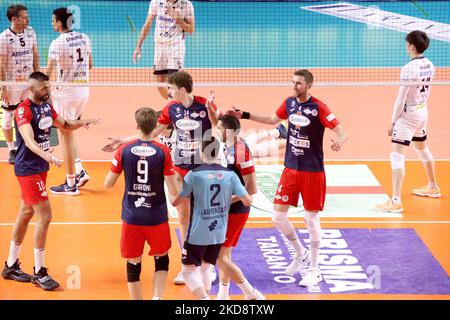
x=256, y=222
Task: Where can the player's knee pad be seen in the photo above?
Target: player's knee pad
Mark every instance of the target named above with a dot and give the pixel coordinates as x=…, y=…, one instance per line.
x=397, y=161
x=162, y=263
x=8, y=118
x=134, y=272
x=282, y=223
x=312, y=220
x=424, y=155
x=192, y=277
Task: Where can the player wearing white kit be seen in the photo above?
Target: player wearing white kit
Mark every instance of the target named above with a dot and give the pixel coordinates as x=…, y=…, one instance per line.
x=409, y=122
x=173, y=19
x=19, y=57
x=71, y=53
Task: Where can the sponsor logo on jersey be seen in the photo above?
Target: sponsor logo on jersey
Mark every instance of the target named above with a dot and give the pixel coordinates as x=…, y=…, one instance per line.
x=143, y=151
x=44, y=145
x=299, y=142
x=21, y=111
x=202, y=114
x=314, y=113
x=307, y=111
x=45, y=123
x=217, y=175
x=331, y=117
x=299, y=120
x=20, y=53
x=140, y=202
x=187, y=124
x=195, y=115
x=297, y=152
x=213, y=225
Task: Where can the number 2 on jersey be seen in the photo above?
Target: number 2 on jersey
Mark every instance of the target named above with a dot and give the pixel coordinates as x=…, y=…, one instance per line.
x=215, y=187
x=142, y=170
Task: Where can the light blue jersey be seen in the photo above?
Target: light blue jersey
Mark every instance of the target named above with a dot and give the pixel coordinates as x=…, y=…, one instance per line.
x=211, y=187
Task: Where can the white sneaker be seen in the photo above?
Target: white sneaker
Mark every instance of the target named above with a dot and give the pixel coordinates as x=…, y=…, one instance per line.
x=311, y=278
x=256, y=295
x=213, y=274
x=179, y=280
x=298, y=263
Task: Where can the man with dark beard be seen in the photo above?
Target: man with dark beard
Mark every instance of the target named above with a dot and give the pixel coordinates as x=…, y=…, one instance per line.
x=34, y=119
x=304, y=168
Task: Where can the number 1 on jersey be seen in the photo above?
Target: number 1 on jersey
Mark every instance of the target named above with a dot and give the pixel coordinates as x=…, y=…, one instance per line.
x=80, y=58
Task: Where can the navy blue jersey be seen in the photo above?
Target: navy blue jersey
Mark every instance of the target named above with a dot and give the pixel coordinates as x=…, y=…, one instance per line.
x=212, y=187
x=239, y=159
x=307, y=122
x=40, y=117
x=145, y=163
x=192, y=125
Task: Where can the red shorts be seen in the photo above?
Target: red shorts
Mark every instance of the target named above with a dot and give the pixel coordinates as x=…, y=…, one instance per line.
x=134, y=238
x=181, y=171
x=33, y=188
x=236, y=223
x=311, y=185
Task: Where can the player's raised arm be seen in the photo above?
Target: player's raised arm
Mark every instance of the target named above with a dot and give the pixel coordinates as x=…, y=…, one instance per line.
x=213, y=111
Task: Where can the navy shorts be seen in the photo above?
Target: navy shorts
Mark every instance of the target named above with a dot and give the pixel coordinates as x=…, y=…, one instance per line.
x=196, y=254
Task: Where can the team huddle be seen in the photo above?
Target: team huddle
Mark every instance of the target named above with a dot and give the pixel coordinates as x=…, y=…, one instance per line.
x=190, y=153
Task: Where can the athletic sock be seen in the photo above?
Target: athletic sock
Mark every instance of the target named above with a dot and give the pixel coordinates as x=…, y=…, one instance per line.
x=71, y=180
x=39, y=257
x=78, y=166
x=224, y=291
x=246, y=287
x=14, y=250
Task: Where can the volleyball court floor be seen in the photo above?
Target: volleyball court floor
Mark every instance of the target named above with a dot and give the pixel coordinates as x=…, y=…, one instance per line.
x=365, y=254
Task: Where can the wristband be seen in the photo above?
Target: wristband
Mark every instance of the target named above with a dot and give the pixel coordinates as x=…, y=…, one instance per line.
x=245, y=115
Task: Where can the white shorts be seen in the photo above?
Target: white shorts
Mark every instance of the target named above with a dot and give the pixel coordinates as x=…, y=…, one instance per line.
x=410, y=127
x=69, y=109
x=17, y=95
x=168, y=57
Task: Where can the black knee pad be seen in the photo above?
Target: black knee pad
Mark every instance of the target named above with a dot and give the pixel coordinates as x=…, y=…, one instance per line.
x=162, y=263
x=133, y=272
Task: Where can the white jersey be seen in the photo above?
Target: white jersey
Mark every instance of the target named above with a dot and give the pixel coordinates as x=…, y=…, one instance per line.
x=19, y=51
x=418, y=69
x=72, y=52
x=169, y=141
x=166, y=30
